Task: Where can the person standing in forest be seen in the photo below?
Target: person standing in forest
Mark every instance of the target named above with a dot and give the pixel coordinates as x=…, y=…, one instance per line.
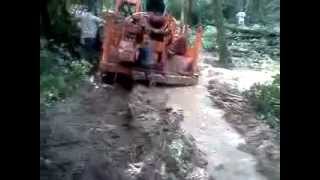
x=89, y=25
x=241, y=17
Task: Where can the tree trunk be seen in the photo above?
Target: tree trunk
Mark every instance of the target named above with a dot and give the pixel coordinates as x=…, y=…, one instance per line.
x=99, y=5
x=224, y=54
x=199, y=9
x=182, y=15
x=94, y=6
x=255, y=11
x=258, y=8
x=262, y=16
x=56, y=22
x=45, y=22
x=190, y=3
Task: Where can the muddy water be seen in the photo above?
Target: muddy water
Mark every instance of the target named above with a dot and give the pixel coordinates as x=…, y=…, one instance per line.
x=206, y=124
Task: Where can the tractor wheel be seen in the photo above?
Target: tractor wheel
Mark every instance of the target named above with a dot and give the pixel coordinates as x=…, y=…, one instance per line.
x=125, y=81
x=109, y=78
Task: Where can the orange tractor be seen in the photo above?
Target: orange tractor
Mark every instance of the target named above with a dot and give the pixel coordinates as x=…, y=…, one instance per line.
x=129, y=39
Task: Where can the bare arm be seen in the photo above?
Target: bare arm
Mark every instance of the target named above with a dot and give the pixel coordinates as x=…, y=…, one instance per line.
x=98, y=20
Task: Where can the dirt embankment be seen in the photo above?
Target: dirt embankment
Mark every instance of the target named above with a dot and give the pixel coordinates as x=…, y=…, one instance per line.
x=261, y=140
x=113, y=134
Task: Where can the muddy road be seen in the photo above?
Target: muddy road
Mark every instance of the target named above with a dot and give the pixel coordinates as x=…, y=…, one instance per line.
x=113, y=134
x=208, y=125
x=159, y=133
x=214, y=132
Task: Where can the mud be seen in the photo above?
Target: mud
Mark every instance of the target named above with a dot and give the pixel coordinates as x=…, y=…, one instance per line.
x=110, y=133
x=205, y=120
x=261, y=140
x=224, y=97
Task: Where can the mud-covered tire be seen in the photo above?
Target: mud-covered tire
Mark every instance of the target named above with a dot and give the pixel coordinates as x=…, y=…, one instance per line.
x=108, y=78
x=125, y=81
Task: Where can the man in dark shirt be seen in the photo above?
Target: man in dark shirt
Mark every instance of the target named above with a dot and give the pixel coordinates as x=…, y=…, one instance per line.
x=155, y=25
x=145, y=56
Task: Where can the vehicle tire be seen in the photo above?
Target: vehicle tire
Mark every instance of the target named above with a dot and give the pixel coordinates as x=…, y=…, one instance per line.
x=125, y=81
x=108, y=78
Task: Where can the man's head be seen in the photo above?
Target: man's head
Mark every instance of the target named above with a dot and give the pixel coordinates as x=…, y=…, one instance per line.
x=85, y=9
x=145, y=43
x=156, y=6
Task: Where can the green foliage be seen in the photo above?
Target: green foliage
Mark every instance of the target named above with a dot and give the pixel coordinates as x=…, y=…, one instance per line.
x=174, y=7
x=266, y=100
x=60, y=74
x=107, y=4
x=197, y=14
x=258, y=11
x=209, y=38
x=56, y=22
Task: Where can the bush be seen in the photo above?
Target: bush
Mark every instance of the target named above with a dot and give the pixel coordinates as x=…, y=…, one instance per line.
x=209, y=38
x=266, y=100
x=60, y=74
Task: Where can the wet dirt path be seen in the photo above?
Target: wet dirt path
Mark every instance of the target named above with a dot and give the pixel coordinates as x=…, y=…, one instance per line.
x=213, y=134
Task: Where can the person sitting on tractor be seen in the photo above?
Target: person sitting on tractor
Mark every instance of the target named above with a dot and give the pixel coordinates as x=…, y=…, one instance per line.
x=155, y=26
x=145, y=58
x=125, y=6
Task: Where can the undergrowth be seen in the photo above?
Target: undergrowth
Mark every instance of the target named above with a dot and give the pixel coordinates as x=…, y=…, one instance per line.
x=265, y=98
x=208, y=37
x=60, y=74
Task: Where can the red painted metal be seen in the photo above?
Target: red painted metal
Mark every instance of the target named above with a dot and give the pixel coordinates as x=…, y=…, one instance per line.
x=121, y=34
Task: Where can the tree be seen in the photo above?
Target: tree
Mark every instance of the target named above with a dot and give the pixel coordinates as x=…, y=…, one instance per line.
x=107, y=4
x=190, y=3
x=44, y=19
x=94, y=6
x=56, y=22
x=55, y=18
x=255, y=10
x=224, y=54
x=182, y=15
